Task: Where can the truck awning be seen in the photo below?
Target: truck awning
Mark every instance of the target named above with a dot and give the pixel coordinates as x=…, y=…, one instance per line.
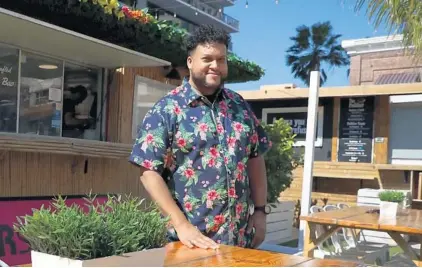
x=41, y=37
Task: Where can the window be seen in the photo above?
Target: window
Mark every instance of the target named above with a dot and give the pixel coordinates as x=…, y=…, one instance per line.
x=89, y=109
x=50, y=97
x=9, y=73
x=41, y=83
x=297, y=118
x=146, y=93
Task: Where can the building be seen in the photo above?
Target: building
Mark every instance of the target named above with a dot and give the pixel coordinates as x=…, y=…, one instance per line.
x=382, y=60
x=189, y=14
x=367, y=133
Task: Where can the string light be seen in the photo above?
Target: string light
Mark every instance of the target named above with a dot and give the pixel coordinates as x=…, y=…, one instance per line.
x=247, y=5
x=276, y=2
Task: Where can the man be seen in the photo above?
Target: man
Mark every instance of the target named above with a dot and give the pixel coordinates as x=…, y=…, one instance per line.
x=74, y=127
x=210, y=144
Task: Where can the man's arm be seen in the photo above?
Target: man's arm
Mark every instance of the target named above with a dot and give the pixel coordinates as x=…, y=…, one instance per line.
x=159, y=192
x=258, y=180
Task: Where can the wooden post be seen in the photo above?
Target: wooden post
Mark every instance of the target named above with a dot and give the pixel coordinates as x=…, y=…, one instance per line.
x=309, y=153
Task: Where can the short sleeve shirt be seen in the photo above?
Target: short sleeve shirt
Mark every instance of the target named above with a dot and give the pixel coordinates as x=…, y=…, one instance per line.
x=202, y=150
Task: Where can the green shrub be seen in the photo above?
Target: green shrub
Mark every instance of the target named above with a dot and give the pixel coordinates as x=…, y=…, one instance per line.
x=114, y=227
x=281, y=159
x=391, y=196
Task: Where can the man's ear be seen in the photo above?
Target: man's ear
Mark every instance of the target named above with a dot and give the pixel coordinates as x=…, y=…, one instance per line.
x=189, y=62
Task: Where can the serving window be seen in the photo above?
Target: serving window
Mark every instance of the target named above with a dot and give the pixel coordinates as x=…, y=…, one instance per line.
x=45, y=96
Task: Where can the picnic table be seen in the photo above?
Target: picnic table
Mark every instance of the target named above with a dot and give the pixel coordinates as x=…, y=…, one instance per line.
x=178, y=255
x=408, y=221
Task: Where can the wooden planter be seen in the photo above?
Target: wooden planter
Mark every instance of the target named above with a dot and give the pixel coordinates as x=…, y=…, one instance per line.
x=150, y=258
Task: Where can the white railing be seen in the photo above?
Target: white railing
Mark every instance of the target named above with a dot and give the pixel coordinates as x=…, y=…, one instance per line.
x=214, y=12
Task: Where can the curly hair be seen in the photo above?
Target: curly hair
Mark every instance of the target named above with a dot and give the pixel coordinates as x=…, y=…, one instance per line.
x=207, y=34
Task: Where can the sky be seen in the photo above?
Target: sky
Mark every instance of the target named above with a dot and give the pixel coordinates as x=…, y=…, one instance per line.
x=265, y=29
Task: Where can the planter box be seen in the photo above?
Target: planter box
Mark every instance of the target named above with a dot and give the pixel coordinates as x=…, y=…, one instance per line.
x=388, y=210
x=150, y=258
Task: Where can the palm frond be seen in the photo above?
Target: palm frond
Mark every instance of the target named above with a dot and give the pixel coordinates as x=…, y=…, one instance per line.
x=399, y=16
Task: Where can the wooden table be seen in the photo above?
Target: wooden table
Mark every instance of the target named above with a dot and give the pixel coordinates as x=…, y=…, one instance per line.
x=179, y=255
x=408, y=221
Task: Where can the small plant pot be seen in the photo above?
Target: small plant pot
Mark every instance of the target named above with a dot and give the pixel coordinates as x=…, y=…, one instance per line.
x=150, y=258
x=388, y=210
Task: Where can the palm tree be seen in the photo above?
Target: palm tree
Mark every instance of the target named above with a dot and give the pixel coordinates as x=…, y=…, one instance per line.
x=400, y=16
x=312, y=47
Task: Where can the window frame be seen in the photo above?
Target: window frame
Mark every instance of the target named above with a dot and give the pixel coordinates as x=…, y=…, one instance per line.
x=103, y=74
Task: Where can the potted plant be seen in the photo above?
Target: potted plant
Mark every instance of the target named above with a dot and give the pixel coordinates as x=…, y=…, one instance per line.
x=117, y=232
x=389, y=202
x=280, y=161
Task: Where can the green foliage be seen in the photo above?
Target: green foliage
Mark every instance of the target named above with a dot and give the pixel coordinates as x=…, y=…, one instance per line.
x=105, y=20
x=281, y=159
x=313, y=46
x=399, y=17
x=120, y=225
x=391, y=196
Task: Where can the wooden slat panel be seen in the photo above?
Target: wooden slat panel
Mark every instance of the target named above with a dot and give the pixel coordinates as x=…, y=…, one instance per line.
x=63, y=146
x=336, y=121
x=382, y=128
x=42, y=174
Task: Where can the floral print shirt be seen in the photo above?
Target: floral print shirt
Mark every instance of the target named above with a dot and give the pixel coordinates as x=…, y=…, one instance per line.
x=201, y=149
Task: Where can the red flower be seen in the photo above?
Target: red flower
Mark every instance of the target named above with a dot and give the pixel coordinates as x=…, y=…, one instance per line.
x=203, y=127
x=239, y=208
x=211, y=162
x=212, y=195
x=181, y=142
x=238, y=127
x=219, y=219
x=147, y=164
x=149, y=138
x=214, y=152
x=232, y=192
x=188, y=206
x=240, y=166
x=177, y=110
x=189, y=173
x=254, y=138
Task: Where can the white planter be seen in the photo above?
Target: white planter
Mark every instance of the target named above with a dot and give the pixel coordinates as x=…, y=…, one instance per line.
x=150, y=258
x=388, y=210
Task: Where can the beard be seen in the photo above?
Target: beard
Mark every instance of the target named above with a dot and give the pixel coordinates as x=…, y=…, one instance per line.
x=201, y=82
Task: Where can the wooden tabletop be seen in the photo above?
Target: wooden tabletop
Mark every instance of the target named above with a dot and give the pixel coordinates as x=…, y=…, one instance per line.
x=408, y=221
x=179, y=255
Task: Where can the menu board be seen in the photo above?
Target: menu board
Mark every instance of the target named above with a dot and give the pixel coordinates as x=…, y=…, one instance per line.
x=356, y=130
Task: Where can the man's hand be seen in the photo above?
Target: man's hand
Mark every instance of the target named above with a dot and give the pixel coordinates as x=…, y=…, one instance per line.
x=258, y=221
x=190, y=236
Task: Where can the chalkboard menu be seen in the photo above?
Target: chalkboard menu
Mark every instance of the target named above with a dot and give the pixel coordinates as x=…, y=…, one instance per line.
x=356, y=130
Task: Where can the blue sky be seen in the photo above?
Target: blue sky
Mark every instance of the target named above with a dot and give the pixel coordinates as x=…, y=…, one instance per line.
x=265, y=29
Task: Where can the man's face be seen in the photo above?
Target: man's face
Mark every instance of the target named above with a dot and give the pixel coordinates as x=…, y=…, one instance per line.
x=208, y=66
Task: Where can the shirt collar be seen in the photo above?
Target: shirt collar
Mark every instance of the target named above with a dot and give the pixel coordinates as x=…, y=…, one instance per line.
x=192, y=94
